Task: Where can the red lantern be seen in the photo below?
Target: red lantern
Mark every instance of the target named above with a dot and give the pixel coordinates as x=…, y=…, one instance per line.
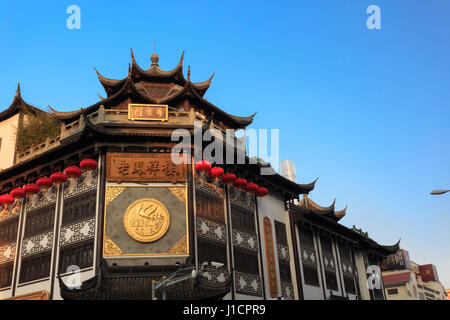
x=58, y=178
x=88, y=164
x=17, y=193
x=251, y=187
x=31, y=189
x=44, y=183
x=73, y=172
x=5, y=200
x=215, y=172
x=228, y=178
x=202, y=166
x=240, y=183
x=261, y=192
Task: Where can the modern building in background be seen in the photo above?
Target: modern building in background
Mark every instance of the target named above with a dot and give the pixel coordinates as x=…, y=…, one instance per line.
x=406, y=280
x=287, y=170
x=103, y=202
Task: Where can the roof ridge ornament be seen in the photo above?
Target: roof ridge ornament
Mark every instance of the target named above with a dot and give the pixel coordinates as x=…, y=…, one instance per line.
x=189, y=74
x=155, y=58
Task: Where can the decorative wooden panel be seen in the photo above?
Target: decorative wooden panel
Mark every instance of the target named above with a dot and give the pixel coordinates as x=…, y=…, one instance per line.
x=270, y=257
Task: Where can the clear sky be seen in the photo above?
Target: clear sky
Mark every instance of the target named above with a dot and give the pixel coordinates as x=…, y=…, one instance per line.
x=366, y=111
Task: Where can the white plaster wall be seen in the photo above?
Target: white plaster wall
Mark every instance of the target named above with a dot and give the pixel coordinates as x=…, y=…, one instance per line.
x=362, y=279
x=5, y=293
x=33, y=286
x=8, y=133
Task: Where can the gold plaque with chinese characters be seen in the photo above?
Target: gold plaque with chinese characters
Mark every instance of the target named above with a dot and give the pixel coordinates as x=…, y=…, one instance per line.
x=146, y=220
x=149, y=167
x=148, y=112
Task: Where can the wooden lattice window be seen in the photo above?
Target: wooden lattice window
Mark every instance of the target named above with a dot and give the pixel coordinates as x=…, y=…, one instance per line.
x=209, y=251
x=40, y=221
x=209, y=206
x=35, y=267
x=349, y=276
x=246, y=261
x=242, y=219
x=280, y=233
x=80, y=207
x=330, y=271
x=285, y=271
x=310, y=272
x=8, y=230
x=6, y=271
x=80, y=254
x=306, y=238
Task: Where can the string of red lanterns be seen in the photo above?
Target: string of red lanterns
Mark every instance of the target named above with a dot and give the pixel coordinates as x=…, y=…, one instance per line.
x=230, y=178
x=45, y=183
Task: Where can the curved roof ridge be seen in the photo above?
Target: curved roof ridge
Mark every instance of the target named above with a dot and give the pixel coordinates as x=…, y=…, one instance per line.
x=313, y=205
x=341, y=213
x=243, y=121
x=155, y=71
x=392, y=248
x=61, y=115
x=18, y=104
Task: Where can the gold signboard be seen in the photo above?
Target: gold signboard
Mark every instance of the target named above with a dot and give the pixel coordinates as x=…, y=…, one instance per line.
x=270, y=257
x=148, y=112
x=150, y=167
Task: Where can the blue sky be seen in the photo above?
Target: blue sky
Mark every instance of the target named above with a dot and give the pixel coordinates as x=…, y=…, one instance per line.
x=366, y=111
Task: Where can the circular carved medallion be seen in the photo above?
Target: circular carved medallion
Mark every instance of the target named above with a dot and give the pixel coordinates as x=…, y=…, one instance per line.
x=146, y=220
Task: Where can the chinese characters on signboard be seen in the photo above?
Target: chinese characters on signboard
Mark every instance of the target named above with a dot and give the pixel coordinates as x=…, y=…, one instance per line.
x=270, y=257
x=148, y=112
x=143, y=167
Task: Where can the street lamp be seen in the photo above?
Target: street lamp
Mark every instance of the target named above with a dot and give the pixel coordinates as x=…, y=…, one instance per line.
x=167, y=281
x=436, y=192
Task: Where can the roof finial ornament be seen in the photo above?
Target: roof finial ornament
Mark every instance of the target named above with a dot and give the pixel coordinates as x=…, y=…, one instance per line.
x=189, y=73
x=18, y=89
x=154, y=57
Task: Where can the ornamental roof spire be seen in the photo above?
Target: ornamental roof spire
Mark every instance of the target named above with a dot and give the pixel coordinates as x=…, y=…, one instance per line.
x=155, y=58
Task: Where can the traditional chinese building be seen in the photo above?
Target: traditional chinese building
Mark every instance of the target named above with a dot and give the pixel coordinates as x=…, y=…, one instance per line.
x=104, y=200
